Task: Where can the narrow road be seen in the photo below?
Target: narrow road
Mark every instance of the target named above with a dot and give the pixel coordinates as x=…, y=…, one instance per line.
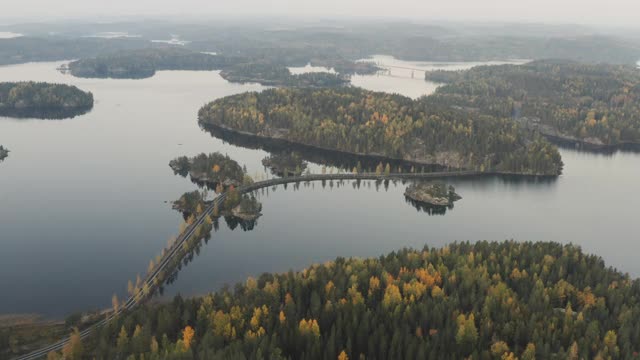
x=149, y=281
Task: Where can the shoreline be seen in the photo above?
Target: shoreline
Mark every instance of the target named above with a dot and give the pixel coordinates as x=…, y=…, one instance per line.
x=377, y=157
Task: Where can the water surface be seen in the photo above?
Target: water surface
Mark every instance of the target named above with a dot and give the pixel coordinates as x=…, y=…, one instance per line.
x=407, y=77
x=83, y=201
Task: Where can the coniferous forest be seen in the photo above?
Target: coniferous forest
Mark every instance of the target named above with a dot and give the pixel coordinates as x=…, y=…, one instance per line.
x=43, y=100
x=369, y=123
x=594, y=103
x=488, y=300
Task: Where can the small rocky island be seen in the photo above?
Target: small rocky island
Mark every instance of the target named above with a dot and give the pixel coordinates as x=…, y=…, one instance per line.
x=432, y=193
x=43, y=100
x=4, y=152
x=285, y=164
x=211, y=170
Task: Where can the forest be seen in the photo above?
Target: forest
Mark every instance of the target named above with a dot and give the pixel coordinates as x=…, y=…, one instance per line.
x=285, y=163
x=43, y=100
x=354, y=120
x=27, y=49
x=212, y=169
x=324, y=45
x=596, y=104
x=143, y=63
x=272, y=74
x=488, y=300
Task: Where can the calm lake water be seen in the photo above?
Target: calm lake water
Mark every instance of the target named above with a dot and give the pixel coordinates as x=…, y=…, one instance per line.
x=83, y=201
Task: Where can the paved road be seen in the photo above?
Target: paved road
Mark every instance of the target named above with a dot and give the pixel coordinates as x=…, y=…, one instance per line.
x=174, y=250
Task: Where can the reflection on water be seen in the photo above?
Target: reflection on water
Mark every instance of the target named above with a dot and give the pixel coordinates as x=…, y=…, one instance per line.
x=428, y=208
x=46, y=114
x=335, y=159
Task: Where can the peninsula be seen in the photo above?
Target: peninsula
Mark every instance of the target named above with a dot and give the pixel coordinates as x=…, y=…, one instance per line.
x=357, y=121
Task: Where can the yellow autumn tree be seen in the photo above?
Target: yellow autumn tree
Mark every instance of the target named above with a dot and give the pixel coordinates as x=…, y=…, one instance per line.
x=115, y=303
x=343, y=356
x=73, y=350
x=327, y=288
x=187, y=336
x=309, y=327
x=374, y=284
x=392, y=296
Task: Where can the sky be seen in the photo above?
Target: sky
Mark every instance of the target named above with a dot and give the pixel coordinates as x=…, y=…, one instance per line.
x=600, y=12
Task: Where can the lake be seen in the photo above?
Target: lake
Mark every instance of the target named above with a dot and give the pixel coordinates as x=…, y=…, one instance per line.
x=84, y=201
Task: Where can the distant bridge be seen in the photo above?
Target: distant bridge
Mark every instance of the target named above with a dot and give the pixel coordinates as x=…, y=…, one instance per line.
x=174, y=250
x=389, y=67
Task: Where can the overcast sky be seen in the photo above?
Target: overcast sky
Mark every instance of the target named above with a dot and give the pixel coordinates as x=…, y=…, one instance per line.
x=611, y=12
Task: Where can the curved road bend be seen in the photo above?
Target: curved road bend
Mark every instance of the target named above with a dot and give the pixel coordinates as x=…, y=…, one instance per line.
x=132, y=301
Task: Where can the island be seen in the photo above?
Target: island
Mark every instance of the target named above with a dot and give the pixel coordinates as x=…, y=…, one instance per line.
x=4, y=152
x=274, y=74
x=43, y=100
x=484, y=300
x=357, y=121
x=432, y=193
x=143, y=63
x=245, y=207
x=592, y=105
x=214, y=170
x=285, y=164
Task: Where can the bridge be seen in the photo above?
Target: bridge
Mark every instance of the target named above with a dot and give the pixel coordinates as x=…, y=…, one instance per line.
x=388, y=69
x=151, y=281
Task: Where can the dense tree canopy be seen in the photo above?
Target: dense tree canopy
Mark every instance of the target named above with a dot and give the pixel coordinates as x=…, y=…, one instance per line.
x=43, y=100
x=142, y=63
x=597, y=104
x=369, y=123
x=213, y=169
x=273, y=74
x=486, y=300
x=25, y=49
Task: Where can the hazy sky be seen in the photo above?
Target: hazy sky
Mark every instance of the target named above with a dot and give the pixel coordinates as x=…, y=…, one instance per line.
x=612, y=12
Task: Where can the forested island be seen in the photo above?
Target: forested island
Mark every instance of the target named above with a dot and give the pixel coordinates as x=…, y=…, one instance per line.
x=245, y=207
x=271, y=74
x=488, y=300
x=143, y=63
x=43, y=100
x=358, y=121
x=211, y=169
x=594, y=105
x=432, y=193
x=285, y=164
